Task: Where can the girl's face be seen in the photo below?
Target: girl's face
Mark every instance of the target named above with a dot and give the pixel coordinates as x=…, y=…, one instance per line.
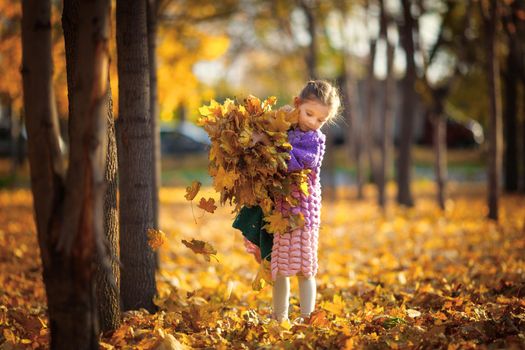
x=312, y=114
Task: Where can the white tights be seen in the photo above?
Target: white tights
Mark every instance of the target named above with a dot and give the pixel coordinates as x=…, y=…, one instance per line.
x=281, y=296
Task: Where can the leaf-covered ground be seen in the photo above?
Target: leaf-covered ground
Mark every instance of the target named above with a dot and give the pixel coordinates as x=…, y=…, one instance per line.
x=410, y=278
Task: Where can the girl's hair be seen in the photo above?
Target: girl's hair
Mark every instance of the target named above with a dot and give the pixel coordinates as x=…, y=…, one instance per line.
x=324, y=92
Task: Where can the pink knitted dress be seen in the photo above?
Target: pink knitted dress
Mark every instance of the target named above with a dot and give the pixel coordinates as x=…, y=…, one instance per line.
x=295, y=252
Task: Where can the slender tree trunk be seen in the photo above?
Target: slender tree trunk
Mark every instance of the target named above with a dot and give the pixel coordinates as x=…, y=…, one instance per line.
x=107, y=271
x=135, y=163
x=439, y=141
x=495, y=127
x=369, y=141
x=309, y=7
x=510, y=124
x=387, y=118
x=68, y=208
x=404, y=161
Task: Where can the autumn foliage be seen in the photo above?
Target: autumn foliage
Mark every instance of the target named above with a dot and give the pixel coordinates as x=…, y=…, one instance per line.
x=248, y=173
x=412, y=278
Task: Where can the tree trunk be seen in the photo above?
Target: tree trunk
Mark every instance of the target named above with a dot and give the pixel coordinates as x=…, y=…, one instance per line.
x=107, y=271
x=510, y=124
x=308, y=7
x=155, y=122
x=387, y=118
x=439, y=141
x=68, y=210
x=14, y=131
x=369, y=141
x=404, y=161
x=495, y=128
x=135, y=163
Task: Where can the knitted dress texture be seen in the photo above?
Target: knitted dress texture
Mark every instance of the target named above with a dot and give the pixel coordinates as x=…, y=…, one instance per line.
x=295, y=252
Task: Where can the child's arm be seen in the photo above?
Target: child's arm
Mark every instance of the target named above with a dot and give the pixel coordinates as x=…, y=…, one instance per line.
x=306, y=149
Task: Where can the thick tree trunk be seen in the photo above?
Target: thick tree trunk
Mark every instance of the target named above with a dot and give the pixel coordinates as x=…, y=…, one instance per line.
x=107, y=271
x=404, y=161
x=68, y=209
x=135, y=163
x=510, y=124
x=495, y=127
x=155, y=122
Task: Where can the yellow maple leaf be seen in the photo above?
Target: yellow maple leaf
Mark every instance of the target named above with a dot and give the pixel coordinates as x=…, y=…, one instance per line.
x=156, y=238
x=225, y=179
x=276, y=223
x=278, y=122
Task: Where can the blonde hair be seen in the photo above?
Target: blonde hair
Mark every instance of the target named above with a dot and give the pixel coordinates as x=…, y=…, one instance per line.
x=324, y=92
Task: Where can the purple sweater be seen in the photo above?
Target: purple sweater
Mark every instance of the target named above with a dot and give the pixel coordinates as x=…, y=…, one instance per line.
x=307, y=152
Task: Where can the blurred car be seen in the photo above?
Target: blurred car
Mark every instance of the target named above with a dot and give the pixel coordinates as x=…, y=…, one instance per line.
x=185, y=138
x=460, y=134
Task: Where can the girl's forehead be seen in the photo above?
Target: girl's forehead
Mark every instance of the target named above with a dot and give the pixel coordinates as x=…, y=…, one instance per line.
x=316, y=106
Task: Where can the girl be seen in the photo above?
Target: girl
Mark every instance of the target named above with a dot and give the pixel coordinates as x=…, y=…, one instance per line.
x=295, y=253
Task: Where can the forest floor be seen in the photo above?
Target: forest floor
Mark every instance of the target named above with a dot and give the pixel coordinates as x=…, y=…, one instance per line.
x=405, y=278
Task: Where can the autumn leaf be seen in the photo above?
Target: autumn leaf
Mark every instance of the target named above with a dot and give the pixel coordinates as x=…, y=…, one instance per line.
x=208, y=205
x=156, y=238
x=279, y=122
x=225, y=179
x=276, y=223
x=201, y=247
x=192, y=190
x=263, y=277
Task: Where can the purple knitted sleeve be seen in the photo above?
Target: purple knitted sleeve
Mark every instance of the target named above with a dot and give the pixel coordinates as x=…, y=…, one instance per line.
x=306, y=149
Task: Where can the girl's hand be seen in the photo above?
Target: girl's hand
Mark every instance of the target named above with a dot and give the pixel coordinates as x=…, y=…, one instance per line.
x=260, y=137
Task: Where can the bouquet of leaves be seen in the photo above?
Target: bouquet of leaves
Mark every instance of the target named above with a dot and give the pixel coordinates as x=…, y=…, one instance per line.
x=248, y=173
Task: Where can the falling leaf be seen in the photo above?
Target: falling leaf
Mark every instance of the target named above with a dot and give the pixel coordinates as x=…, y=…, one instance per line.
x=201, y=247
x=156, y=238
x=208, y=205
x=191, y=191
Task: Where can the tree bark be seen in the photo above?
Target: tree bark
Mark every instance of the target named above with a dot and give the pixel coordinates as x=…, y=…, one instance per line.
x=135, y=161
x=155, y=122
x=404, y=161
x=510, y=123
x=495, y=127
x=369, y=140
x=387, y=113
x=107, y=270
x=68, y=208
x=439, y=141
x=308, y=7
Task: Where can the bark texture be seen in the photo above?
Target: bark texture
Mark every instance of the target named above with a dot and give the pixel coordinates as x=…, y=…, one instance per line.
x=135, y=161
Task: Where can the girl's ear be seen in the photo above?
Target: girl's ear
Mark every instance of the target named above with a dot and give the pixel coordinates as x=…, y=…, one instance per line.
x=297, y=101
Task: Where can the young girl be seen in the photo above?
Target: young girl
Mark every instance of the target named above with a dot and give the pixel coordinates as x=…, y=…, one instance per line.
x=295, y=253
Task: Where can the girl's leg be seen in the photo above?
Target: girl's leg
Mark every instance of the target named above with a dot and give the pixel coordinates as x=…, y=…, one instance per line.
x=281, y=297
x=307, y=291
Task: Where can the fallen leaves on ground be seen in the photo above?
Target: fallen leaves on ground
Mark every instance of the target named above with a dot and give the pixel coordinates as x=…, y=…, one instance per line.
x=410, y=278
